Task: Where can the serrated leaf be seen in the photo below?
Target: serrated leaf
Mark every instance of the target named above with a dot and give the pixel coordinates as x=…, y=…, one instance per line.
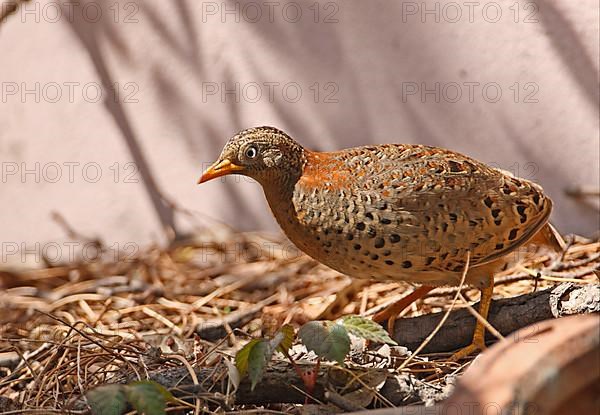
x=312, y=335
x=283, y=339
x=260, y=354
x=148, y=397
x=107, y=400
x=336, y=345
x=242, y=356
x=367, y=329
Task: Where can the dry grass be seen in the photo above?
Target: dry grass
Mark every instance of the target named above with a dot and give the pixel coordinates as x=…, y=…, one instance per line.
x=65, y=329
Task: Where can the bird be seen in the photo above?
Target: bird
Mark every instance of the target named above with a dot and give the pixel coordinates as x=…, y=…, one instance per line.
x=396, y=212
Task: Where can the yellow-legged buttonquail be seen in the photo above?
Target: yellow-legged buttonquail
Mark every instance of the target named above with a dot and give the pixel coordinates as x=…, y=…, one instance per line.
x=399, y=212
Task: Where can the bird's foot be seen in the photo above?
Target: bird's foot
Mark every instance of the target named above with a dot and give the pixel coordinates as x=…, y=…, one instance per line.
x=477, y=345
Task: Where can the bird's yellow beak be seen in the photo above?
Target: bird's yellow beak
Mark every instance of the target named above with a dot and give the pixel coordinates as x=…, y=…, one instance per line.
x=218, y=169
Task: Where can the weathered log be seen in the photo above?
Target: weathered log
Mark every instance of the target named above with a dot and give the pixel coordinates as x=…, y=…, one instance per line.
x=507, y=315
x=281, y=384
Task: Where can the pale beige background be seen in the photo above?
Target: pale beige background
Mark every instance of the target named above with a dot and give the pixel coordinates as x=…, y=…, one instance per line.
x=169, y=54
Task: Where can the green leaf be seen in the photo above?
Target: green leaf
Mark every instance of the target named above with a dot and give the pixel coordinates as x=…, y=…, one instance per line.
x=148, y=397
x=164, y=392
x=366, y=329
x=242, y=356
x=107, y=400
x=253, y=359
x=336, y=345
x=260, y=355
x=312, y=335
x=329, y=341
x=283, y=339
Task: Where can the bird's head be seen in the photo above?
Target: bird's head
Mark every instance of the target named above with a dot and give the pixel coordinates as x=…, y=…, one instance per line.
x=265, y=154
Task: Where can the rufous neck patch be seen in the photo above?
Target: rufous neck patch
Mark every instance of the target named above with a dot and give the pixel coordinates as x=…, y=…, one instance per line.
x=324, y=170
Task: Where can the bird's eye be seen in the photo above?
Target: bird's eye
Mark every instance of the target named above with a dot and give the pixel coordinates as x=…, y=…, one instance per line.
x=251, y=152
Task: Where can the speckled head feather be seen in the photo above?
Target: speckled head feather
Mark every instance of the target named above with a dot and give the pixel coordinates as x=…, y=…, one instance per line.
x=266, y=154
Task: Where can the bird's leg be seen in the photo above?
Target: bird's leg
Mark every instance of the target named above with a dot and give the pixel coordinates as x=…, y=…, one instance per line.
x=391, y=312
x=478, y=342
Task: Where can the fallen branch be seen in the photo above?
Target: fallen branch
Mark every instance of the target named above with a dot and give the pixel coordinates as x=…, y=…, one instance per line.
x=281, y=384
x=507, y=315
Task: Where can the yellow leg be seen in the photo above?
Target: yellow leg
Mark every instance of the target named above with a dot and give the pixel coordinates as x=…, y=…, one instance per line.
x=391, y=312
x=478, y=342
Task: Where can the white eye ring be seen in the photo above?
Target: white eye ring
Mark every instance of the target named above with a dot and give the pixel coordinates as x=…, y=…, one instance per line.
x=251, y=152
